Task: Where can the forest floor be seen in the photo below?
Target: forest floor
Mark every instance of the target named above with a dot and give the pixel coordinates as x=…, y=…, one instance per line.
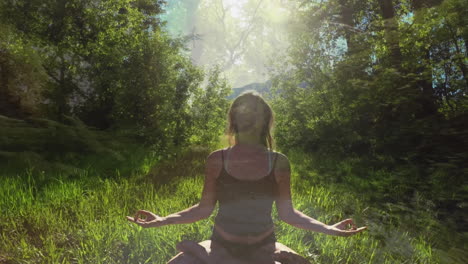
x=77, y=215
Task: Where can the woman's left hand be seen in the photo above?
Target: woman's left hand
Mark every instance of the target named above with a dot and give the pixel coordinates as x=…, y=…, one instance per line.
x=345, y=228
x=149, y=220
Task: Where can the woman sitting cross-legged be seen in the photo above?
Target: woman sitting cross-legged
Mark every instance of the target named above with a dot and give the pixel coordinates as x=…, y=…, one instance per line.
x=245, y=179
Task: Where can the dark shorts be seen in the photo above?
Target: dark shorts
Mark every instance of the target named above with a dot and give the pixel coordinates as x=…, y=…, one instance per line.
x=240, y=250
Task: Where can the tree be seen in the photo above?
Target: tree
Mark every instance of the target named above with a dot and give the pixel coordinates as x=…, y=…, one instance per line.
x=392, y=38
x=209, y=109
x=389, y=101
x=83, y=44
x=22, y=78
x=109, y=63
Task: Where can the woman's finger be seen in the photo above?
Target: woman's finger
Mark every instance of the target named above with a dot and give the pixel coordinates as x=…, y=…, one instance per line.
x=342, y=224
x=138, y=221
x=352, y=232
x=361, y=229
x=136, y=216
x=144, y=212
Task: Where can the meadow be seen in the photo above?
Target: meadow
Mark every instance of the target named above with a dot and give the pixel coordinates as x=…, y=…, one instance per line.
x=78, y=216
x=104, y=111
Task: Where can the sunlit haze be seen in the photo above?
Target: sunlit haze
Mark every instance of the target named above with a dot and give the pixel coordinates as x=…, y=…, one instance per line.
x=241, y=36
x=235, y=7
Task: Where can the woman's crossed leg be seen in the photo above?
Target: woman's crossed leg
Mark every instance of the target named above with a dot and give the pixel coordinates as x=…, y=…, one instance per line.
x=206, y=253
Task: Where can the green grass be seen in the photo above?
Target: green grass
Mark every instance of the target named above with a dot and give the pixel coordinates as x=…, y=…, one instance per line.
x=80, y=218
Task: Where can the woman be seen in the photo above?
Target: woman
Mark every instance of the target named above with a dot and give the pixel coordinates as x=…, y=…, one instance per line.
x=245, y=179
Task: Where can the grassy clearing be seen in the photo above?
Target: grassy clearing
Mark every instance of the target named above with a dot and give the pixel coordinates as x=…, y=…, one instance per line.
x=82, y=220
x=69, y=148
x=77, y=215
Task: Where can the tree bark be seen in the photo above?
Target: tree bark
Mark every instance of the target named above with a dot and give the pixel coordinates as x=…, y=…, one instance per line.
x=427, y=99
x=346, y=11
x=391, y=32
x=10, y=105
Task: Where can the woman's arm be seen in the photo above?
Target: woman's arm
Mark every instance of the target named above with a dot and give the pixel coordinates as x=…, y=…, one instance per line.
x=288, y=214
x=197, y=212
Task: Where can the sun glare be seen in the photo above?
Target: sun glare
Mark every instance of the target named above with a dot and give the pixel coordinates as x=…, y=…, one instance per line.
x=235, y=7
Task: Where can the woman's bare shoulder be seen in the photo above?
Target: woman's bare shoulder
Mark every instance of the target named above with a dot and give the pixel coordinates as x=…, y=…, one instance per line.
x=217, y=153
x=282, y=163
x=215, y=159
x=282, y=168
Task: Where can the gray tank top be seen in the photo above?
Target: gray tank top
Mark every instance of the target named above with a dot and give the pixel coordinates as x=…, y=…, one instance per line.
x=245, y=205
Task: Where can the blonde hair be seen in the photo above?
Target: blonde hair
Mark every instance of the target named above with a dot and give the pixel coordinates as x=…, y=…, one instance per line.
x=266, y=138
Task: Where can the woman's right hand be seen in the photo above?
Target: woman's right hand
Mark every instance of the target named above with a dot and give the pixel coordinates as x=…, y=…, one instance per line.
x=345, y=228
x=149, y=220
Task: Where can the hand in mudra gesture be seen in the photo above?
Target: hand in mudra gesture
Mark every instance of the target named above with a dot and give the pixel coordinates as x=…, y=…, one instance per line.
x=148, y=220
x=345, y=228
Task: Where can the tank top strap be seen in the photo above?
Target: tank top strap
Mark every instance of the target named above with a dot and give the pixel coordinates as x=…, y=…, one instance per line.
x=227, y=158
x=269, y=160
x=274, y=164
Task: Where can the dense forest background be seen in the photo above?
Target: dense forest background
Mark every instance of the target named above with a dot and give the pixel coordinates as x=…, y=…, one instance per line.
x=101, y=102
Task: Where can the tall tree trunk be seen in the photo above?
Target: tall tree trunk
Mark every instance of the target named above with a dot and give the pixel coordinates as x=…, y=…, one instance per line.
x=427, y=98
x=10, y=105
x=459, y=61
x=346, y=11
x=391, y=32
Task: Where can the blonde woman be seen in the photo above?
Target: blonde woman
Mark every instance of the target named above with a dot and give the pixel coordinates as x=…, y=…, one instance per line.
x=245, y=179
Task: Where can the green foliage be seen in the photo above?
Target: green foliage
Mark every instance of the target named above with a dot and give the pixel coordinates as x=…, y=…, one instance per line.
x=82, y=42
x=110, y=64
x=378, y=104
x=209, y=110
x=376, y=99
x=162, y=83
x=68, y=148
x=22, y=77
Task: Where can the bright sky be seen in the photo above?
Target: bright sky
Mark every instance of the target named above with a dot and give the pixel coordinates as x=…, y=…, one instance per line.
x=235, y=7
